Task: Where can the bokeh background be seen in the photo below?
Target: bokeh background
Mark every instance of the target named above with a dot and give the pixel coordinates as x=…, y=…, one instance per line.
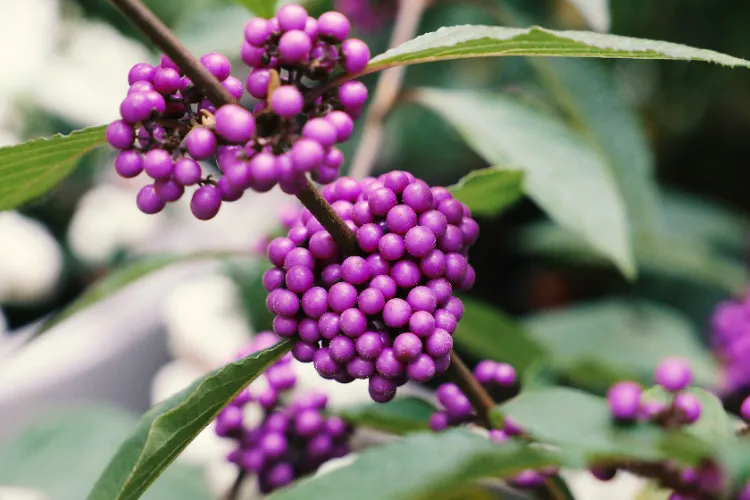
x=64, y=68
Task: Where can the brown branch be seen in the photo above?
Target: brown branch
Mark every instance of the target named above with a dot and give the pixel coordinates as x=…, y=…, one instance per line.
x=407, y=22
x=163, y=38
x=460, y=374
x=310, y=197
x=234, y=491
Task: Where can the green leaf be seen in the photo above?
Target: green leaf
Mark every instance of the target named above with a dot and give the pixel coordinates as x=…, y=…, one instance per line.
x=167, y=428
x=599, y=343
x=401, y=416
x=261, y=8
x=31, y=169
x=656, y=254
x=39, y=456
x=714, y=425
x=124, y=276
x=419, y=466
x=457, y=42
x=489, y=191
x=589, y=96
x=562, y=174
x=489, y=334
x=581, y=425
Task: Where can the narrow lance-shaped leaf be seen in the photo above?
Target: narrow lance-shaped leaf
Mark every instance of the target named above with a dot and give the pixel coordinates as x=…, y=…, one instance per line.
x=457, y=42
x=419, y=466
x=562, y=174
x=490, y=190
x=31, y=169
x=165, y=430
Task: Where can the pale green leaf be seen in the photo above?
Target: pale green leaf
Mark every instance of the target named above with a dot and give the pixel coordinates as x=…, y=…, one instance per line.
x=601, y=342
x=456, y=42
x=262, y=8
x=403, y=415
x=418, y=466
x=31, y=169
x=490, y=190
x=563, y=175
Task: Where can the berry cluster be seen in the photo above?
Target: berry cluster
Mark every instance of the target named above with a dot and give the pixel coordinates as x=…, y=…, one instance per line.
x=730, y=337
x=289, y=442
x=628, y=405
x=367, y=15
x=167, y=124
x=672, y=374
x=388, y=315
x=457, y=409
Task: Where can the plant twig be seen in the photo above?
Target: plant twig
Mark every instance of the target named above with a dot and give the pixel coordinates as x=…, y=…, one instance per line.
x=460, y=374
x=166, y=40
x=387, y=90
x=234, y=491
x=310, y=197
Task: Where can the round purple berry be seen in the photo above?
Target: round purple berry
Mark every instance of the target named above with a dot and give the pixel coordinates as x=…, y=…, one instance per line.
x=205, y=202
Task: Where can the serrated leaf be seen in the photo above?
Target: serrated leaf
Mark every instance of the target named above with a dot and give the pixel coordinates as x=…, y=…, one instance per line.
x=457, y=42
x=39, y=456
x=167, y=428
x=601, y=342
x=714, y=425
x=563, y=175
x=487, y=333
x=581, y=425
x=31, y=169
x=403, y=415
x=125, y=275
x=489, y=191
x=419, y=466
x=656, y=254
x=261, y=8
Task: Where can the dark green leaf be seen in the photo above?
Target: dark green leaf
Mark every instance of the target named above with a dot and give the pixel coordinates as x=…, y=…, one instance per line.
x=262, y=8
x=125, y=275
x=40, y=457
x=31, y=169
x=418, y=467
x=490, y=190
x=400, y=416
x=456, y=42
x=563, y=175
x=489, y=334
x=167, y=428
x=581, y=425
x=714, y=425
x=599, y=343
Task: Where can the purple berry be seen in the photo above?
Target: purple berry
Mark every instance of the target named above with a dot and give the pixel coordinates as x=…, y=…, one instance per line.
x=168, y=190
x=141, y=72
x=353, y=95
x=201, y=143
x=321, y=131
x=396, y=313
x=673, y=374
x=235, y=124
x=158, y=164
x=205, y=202
x=292, y=17
x=287, y=101
x=217, y=64
x=342, y=123
x=356, y=55
x=147, y=200
x=307, y=154
x=624, y=399
x=129, y=164
x=334, y=25
x=294, y=46
x=688, y=405
x=120, y=135
x=186, y=171
x=257, y=31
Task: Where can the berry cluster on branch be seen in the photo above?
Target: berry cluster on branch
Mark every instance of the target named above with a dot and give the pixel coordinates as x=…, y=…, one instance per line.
x=293, y=439
x=168, y=124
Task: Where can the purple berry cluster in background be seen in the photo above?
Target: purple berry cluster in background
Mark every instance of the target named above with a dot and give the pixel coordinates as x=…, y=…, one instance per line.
x=293, y=439
x=386, y=315
x=730, y=339
x=168, y=125
x=367, y=15
x=457, y=409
